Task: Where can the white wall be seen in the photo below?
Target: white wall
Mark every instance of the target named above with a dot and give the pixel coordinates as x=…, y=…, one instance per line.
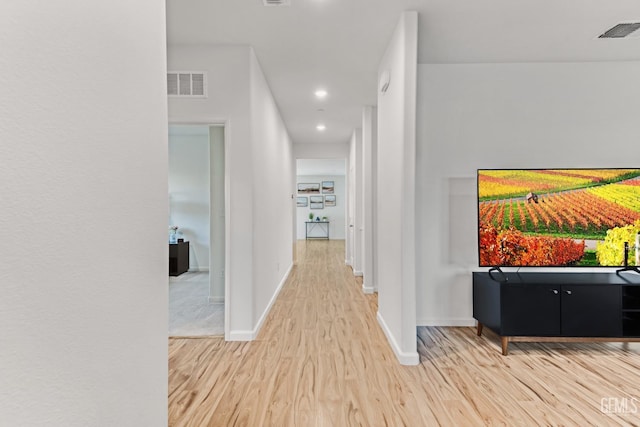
x=321, y=151
x=358, y=199
x=474, y=116
x=369, y=177
x=227, y=69
x=351, y=191
x=355, y=215
x=273, y=184
x=217, y=261
x=84, y=213
x=335, y=213
x=396, y=191
x=189, y=194
x=259, y=177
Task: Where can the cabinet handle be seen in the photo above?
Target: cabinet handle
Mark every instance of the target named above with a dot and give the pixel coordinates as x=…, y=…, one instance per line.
x=568, y=292
x=555, y=291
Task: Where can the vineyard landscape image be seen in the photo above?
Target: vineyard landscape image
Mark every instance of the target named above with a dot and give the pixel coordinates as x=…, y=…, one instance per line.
x=557, y=217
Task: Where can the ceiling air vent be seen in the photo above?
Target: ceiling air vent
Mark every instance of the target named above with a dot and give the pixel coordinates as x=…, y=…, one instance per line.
x=276, y=2
x=187, y=83
x=621, y=31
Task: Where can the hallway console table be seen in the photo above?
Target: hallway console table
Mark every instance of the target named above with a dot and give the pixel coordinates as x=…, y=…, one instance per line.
x=321, y=227
x=178, y=258
x=558, y=307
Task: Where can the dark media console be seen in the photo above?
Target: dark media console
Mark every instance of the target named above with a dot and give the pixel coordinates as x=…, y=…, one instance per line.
x=558, y=307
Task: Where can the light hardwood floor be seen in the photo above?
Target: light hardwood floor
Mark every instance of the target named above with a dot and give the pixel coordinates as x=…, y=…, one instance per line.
x=322, y=360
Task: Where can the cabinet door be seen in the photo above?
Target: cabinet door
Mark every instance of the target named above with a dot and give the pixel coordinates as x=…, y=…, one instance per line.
x=530, y=310
x=591, y=311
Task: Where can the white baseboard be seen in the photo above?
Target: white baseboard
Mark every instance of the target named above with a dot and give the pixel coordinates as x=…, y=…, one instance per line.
x=404, y=358
x=368, y=290
x=240, y=336
x=460, y=321
x=251, y=335
x=216, y=300
x=347, y=262
x=358, y=273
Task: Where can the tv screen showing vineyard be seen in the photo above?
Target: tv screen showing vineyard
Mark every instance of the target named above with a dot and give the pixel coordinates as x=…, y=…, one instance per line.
x=557, y=217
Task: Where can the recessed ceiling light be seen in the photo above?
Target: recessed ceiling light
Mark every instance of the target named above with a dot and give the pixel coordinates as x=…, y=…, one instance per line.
x=276, y=2
x=321, y=127
x=321, y=93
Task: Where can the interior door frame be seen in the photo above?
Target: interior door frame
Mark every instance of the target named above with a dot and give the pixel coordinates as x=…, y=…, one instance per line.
x=225, y=123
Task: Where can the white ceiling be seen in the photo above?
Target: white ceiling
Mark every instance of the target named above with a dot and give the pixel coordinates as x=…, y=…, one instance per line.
x=337, y=44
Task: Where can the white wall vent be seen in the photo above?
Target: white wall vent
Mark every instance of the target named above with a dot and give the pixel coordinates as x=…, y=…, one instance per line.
x=276, y=2
x=187, y=83
x=621, y=31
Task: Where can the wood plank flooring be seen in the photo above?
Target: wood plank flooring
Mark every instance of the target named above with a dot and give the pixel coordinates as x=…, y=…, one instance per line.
x=322, y=360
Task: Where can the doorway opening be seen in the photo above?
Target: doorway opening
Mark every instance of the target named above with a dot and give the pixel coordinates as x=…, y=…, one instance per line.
x=196, y=230
x=321, y=199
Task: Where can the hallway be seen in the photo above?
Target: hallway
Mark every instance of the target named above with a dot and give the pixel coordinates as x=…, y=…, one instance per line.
x=322, y=360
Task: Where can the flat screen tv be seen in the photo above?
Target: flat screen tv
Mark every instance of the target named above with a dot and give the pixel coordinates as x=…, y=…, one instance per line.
x=558, y=217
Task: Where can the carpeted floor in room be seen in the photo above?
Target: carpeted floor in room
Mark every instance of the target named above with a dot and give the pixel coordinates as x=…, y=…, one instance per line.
x=190, y=312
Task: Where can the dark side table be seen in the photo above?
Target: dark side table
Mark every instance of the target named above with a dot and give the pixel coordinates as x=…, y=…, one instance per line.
x=178, y=258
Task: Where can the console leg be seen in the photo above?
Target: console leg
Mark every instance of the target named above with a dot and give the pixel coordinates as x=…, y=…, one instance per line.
x=505, y=345
x=480, y=326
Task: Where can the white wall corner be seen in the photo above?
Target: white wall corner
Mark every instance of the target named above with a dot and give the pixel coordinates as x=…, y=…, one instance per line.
x=405, y=358
x=396, y=183
x=258, y=326
x=358, y=203
x=369, y=174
